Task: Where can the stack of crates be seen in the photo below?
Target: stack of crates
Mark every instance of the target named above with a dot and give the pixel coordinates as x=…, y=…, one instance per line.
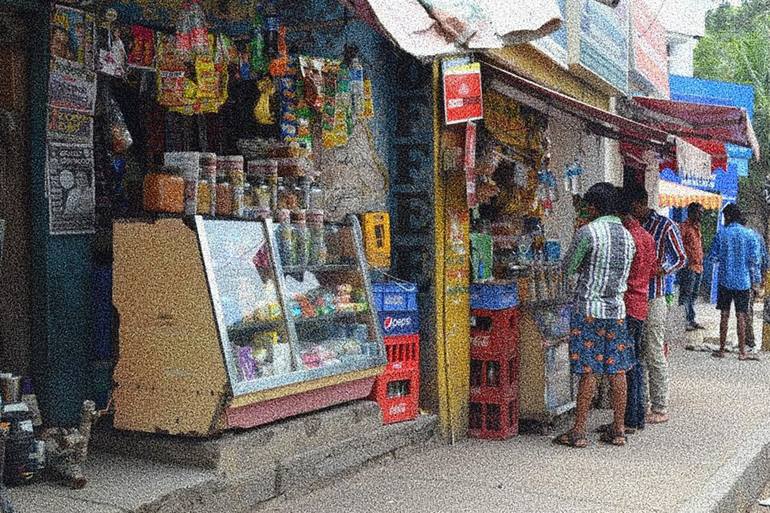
x=494, y=389
x=397, y=391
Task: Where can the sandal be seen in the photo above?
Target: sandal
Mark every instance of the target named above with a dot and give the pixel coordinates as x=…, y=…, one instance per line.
x=572, y=439
x=613, y=438
x=748, y=358
x=718, y=354
x=657, y=418
x=604, y=428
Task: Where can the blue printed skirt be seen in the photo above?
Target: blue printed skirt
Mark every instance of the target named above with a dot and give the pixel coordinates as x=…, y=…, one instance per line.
x=599, y=346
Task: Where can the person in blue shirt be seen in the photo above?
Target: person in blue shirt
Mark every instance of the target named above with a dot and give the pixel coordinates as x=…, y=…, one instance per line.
x=765, y=264
x=738, y=254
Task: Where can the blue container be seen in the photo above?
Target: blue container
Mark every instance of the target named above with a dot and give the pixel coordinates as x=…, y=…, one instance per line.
x=399, y=323
x=494, y=296
x=395, y=297
x=552, y=251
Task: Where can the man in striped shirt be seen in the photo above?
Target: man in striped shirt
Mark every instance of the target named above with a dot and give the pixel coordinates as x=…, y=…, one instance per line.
x=671, y=257
x=601, y=256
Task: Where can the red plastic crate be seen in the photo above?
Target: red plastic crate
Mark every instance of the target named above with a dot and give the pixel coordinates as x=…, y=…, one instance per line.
x=398, y=392
x=495, y=375
x=403, y=352
x=493, y=417
x=494, y=332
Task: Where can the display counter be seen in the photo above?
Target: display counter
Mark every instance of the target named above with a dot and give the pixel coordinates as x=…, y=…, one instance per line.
x=232, y=324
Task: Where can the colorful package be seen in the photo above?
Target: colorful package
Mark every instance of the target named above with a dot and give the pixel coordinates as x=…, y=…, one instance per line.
x=142, y=48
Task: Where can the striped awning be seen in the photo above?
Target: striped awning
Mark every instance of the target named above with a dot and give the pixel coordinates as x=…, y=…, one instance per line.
x=672, y=194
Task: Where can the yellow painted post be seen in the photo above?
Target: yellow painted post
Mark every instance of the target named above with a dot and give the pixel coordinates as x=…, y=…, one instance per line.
x=452, y=281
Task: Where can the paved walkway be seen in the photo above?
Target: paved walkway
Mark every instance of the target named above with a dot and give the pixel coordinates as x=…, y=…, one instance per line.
x=716, y=405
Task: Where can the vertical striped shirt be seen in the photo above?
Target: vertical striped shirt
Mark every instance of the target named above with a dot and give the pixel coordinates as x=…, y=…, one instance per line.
x=601, y=255
x=669, y=249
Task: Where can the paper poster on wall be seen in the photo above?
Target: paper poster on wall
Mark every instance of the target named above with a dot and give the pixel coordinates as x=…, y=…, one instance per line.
x=71, y=200
x=70, y=126
x=72, y=36
x=71, y=87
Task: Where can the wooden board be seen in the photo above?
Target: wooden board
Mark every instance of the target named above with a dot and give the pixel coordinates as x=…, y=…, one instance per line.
x=170, y=375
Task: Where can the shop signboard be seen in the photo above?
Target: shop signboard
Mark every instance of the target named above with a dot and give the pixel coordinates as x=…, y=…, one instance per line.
x=71, y=87
x=71, y=200
x=598, y=43
x=462, y=91
x=649, y=55
x=554, y=45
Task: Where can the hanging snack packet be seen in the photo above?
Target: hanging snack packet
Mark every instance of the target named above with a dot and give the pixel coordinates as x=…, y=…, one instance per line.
x=142, y=53
x=171, y=75
x=262, y=110
x=304, y=117
x=312, y=74
x=328, y=114
x=368, y=101
x=207, y=78
x=343, y=109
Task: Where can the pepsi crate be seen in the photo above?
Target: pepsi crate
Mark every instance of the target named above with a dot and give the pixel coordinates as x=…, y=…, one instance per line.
x=399, y=323
x=494, y=296
x=395, y=297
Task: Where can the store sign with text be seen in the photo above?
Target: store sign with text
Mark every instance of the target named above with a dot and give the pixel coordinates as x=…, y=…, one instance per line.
x=462, y=91
x=649, y=54
x=598, y=42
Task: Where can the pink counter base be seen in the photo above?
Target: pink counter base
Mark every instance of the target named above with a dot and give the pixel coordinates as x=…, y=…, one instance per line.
x=269, y=411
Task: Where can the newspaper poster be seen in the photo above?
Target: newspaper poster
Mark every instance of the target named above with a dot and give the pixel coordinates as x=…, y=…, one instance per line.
x=72, y=36
x=70, y=126
x=71, y=87
x=71, y=198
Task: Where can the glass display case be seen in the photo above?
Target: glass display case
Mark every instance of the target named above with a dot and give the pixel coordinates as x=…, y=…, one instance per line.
x=291, y=304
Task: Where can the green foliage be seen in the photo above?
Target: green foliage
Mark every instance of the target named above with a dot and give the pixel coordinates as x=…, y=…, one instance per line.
x=736, y=48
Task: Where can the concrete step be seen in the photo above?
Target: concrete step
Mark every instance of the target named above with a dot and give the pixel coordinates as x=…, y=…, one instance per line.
x=237, y=472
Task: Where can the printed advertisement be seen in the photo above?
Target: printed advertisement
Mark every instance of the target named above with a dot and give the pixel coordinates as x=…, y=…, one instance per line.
x=70, y=126
x=462, y=92
x=72, y=36
x=71, y=201
x=71, y=87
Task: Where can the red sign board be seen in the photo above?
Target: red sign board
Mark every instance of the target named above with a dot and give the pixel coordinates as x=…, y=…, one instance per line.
x=462, y=94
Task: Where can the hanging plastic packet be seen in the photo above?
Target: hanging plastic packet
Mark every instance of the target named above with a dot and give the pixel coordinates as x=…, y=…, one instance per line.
x=262, y=110
x=343, y=110
x=279, y=66
x=572, y=178
x=170, y=73
x=199, y=32
x=304, y=119
x=113, y=58
x=287, y=93
x=368, y=100
x=207, y=77
x=357, y=86
x=142, y=54
x=329, y=111
x=257, y=58
x=312, y=75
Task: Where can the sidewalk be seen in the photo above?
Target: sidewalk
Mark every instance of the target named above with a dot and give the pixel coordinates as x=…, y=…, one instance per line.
x=696, y=462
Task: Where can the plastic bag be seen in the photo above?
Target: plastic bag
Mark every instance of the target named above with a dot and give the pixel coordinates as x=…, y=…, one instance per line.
x=262, y=110
x=120, y=137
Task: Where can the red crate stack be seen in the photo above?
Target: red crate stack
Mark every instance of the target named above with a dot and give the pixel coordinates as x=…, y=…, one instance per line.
x=398, y=392
x=494, y=374
x=403, y=352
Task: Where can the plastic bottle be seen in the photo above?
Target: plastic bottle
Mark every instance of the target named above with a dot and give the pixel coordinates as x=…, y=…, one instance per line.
x=317, y=251
x=285, y=238
x=301, y=237
x=357, y=85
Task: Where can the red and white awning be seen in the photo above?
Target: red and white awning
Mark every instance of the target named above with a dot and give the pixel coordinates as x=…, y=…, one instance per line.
x=427, y=28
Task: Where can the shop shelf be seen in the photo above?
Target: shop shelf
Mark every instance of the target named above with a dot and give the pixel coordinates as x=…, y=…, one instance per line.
x=397, y=392
x=495, y=375
x=240, y=331
x=329, y=268
x=403, y=352
x=493, y=417
x=337, y=316
x=494, y=332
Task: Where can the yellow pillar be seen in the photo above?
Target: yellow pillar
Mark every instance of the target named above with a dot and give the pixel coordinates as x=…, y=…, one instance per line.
x=451, y=271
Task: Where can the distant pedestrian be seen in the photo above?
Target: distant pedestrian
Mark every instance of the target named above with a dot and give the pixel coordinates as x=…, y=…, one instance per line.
x=750, y=339
x=738, y=254
x=690, y=277
x=670, y=258
x=601, y=256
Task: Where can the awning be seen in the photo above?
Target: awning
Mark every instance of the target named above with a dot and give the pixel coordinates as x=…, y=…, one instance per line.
x=601, y=122
x=427, y=28
x=720, y=123
x=672, y=194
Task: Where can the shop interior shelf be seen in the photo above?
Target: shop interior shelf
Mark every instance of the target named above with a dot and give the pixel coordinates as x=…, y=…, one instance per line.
x=240, y=331
x=337, y=316
x=299, y=269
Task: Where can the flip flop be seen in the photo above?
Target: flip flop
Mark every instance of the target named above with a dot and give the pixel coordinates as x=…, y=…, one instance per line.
x=572, y=439
x=718, y=354
x=608, y=427
x=657, y=418
x=612, y=437
x=748, y=358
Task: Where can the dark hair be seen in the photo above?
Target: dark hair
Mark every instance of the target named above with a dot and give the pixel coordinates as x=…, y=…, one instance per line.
x=636, y=194
x=694, y=207
x=732, y=213
x=603, y=196
x=624, y=206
